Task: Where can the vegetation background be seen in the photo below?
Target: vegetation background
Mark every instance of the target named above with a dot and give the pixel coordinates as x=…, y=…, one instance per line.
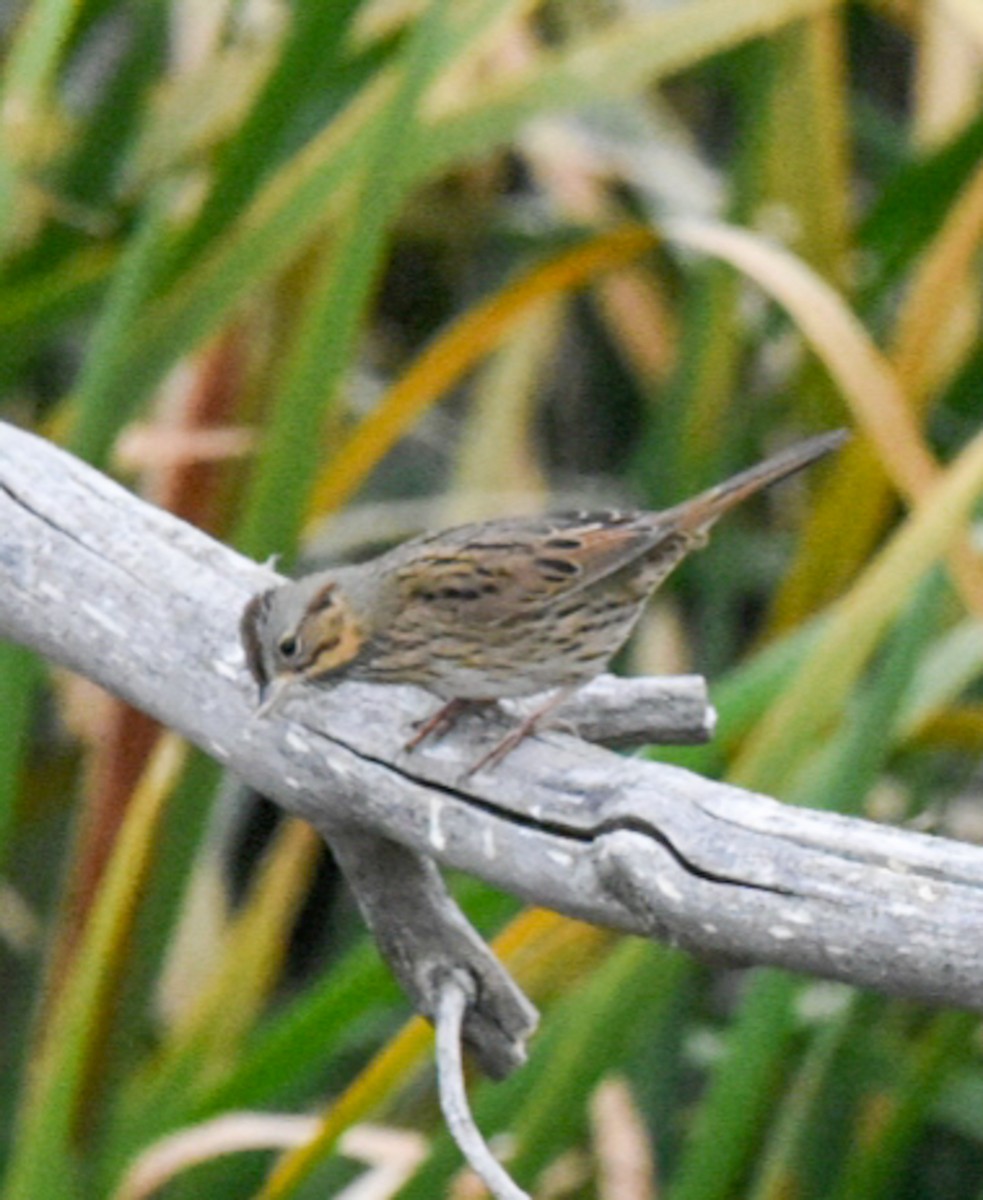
x=318, y=275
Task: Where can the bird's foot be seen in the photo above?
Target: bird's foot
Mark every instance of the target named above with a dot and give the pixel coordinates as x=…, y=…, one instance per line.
x=528, y=726
x=442, y=721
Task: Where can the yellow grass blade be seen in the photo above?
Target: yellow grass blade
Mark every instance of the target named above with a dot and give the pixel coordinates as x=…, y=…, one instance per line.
x=253, y=951
x=807, y=172
x=502, y=412
x=869, y=384
x=468, y=339
x=71, y=1033
x=820, y=689
x=391, y=1067
x=942, y=274
x=969, y=16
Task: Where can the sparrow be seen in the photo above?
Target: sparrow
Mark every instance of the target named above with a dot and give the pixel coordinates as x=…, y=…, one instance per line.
x=491, y=610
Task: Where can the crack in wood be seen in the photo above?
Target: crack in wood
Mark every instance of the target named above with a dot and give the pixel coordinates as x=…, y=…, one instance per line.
x=553, y=828
x=62, y=531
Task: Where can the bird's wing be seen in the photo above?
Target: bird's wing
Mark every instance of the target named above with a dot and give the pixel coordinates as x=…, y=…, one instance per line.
x=494, y=569
x=491, y=570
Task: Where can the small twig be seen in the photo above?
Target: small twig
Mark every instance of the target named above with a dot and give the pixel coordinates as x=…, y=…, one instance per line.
x=455, y=992
x=673, y=710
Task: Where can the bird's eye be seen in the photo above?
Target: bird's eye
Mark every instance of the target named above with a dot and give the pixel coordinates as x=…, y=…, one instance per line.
x=288, y=646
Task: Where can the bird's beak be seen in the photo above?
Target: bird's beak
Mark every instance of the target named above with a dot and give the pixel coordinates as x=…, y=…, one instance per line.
x=272, y=696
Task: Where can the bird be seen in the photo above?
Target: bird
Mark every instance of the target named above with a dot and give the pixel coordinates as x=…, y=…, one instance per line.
x=492, y=610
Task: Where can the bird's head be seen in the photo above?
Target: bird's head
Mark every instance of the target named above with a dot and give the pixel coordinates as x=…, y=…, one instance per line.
x=304, y=631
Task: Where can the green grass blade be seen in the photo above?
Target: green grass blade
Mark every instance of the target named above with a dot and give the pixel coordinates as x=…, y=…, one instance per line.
x=43, y=1161
x=29, y=76
x=592, y=1040
x=858, y=624
x=336, y=307
x=99, y=410
x=632, y=54
x=872, y=1171
x=873, y=720
x=781, y=1167
x=314, y=53
x=20, y=677
x=731, y=1118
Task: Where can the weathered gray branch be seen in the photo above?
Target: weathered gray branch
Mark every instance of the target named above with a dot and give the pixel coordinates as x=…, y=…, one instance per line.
x=149, y=607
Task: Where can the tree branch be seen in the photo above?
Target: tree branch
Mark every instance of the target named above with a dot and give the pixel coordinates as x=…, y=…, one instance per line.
x=148, y=607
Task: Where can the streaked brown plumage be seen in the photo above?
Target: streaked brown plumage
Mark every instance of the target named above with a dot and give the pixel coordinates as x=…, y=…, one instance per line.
x=490, y=610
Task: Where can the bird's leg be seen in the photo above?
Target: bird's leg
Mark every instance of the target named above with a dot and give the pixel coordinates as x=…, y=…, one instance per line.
x=442, y=721
x=529, y=725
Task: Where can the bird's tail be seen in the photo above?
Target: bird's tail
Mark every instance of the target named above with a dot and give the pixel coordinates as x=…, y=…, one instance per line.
x=699, y=514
